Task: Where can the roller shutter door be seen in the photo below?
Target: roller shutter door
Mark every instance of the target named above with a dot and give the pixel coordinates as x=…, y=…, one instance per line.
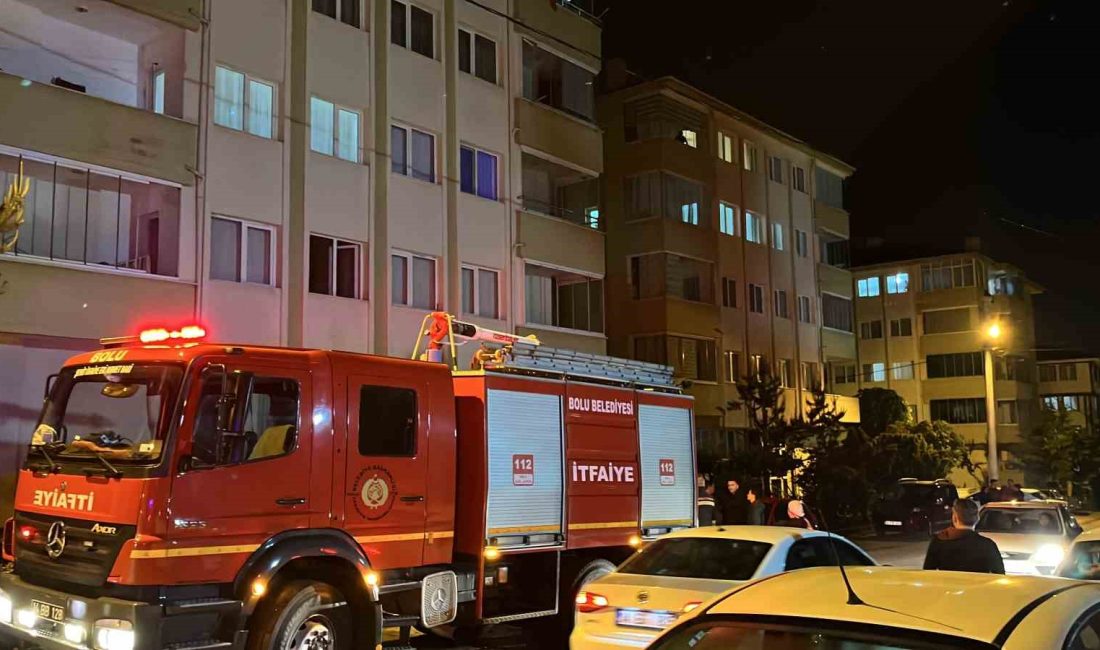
x=665, y=435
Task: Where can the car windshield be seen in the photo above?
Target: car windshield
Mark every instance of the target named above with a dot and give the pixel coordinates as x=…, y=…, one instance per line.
x=698, y=557
x=1083, y=562
x=723, y=635
x=1023, y=521
x=119, y=412
x=911, y=493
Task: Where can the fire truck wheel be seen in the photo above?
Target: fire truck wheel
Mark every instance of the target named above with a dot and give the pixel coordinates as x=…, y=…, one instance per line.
x=301, y=616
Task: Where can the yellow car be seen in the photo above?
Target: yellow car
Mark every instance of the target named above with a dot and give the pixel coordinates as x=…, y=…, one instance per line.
x=894, y=609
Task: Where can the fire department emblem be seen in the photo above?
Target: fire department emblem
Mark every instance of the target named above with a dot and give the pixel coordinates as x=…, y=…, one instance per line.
x=376, y=491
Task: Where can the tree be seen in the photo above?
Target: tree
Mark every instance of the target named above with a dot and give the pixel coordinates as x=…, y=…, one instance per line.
x=925, y=450
x=1065, y=452
x=772, y=443
x=11, y=214
x=835, y=479
x=879, y=408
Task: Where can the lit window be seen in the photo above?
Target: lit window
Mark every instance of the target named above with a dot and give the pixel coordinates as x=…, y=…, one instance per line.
x=480, y=293
x=867, y=287
x=592, y=218
x=412, y=280
x=478, y=172
x=334, y=267
x=689, y=213
x=874, y=372
x=727, y=218
x=241, y=102
x=725, y=147
x=732, y=365
x=241, y=251
x=334, y=130
x=902, y=369
x=690, y=138
x=748, y=156
x=754, y=227
x=777, y=236
x=897, y=283
x=158, y=92
x=412, y=153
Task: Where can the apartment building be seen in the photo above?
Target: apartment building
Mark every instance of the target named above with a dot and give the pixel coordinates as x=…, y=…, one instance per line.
x=726, y=248
x=923, y=327
x=1071, y=382
x=307, y=173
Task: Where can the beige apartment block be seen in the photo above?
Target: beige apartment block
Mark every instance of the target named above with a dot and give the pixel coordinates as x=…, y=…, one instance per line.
x=923, y=327
x=726, y=248
x=315, y=173
x=1071, y=383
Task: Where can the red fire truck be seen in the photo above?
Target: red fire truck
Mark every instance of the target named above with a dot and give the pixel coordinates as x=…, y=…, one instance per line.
x=184, y=494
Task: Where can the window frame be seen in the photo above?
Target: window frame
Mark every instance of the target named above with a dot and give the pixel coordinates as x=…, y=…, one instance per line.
x=898, y=331
x=496, y=166
x=246, y=104
x=408, y=173
x=729, y=292
x=257, y=373
x=242, y=271
x=750, y=156
x=777, y=235
x=728, y=210
x=415, y=425
x=726, y=147
x=775, y=170
x=731, y=365
x=339, y=6
x=869, y=287
x=874, y=372
x=808, y=311
x=474, y=35
x=798, y=178
x=755, y=298
x=756, y=231
x=409, y=257
x=336, y=139
x=408, y=28
x=477, y=270
x=902, y=370
x=333, y=267
x=158, y=84
x=893, y=279
x=801, y=243
x=781, y=308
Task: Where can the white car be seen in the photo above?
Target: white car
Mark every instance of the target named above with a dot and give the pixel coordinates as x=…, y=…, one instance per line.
x=682, y=570
x=895, y=609
x=1032, y=535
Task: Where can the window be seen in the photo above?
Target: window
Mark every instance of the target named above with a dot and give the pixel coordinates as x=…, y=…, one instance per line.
x=387, y=421
x=99, y=218
x=829, y=188
x=412, y=280
x=1006, y=368
x=659, y=194
x=947, y=274
x=756, y=298
x=798, y=178
x=961, y=364
x=897, y=283
x=1048, y=372
x=810, y=378
x=333, y=130
x=413, y=153
x=1067, y=371
x=480, y=292
x=754, y=227
x=942, y=321
x=818, y=552
x=1006, y=412
x=665, y=274
x=690, y=358
x=777, y=236
x=690, y=138
x=346, y=11
x=958, y=411
x=902, y=369
x=801, y=243
x=901, y=327
x=783, y=373
x=241, y=251
x=563, y=299
x=757, y=364
x=477, y=55
x=334, y=267
x=835, y=253
x=158, y=92
x=413, y=28
x=748, y=156
x=549, y=79
x=725, y=147
x=729, y=292
x=870, y=329
x=805, y=309
x=781, y=308
x=731, y=363
x=727, y=219
x=867, y=287
x=271, y=417
x=844, y=373
x=698, y=557
x=873, y=372
x=775, y=169
x=240, y=102
x=478, y=172
x=836, y=312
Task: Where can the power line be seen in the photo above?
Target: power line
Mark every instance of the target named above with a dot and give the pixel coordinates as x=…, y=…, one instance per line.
x=536, y=30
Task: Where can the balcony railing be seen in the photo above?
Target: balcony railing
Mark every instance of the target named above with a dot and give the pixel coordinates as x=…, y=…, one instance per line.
x=588, y=217
x=583, y=8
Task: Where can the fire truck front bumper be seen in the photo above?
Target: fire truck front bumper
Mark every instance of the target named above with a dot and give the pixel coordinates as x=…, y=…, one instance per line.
x=37, y=617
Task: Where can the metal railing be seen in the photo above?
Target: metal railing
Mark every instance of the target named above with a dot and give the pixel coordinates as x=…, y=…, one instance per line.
x=588, y=217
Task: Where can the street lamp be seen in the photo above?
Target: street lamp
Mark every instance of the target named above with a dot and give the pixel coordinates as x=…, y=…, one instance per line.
x=993, y=333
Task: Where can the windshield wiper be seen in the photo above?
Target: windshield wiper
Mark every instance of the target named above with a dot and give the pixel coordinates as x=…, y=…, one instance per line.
x=111, y=470
x=51, y=466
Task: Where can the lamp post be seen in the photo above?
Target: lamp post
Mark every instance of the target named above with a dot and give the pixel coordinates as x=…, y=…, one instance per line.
x=992, y=333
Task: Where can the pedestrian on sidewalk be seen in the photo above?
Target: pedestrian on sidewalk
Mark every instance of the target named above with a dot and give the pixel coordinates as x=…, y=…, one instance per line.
x=756, y=508
x=704, y=502
x=961, y=548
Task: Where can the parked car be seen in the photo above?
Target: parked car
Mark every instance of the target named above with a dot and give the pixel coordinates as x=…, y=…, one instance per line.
x=907, y=610
x=681, y=570
x=1032, y=535
x=1035, y=494
x=914, y=506
x=1082, y=561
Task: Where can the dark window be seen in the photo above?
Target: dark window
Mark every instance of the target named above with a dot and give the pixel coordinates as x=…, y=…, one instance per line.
x=947, y=320
x=836, y=253
x=399, y=145
x=830, y=188
x=477, y=172
x=836, y=312
x=551, y=80
x=326, y=7
x=962, y=364
x=387, y=421
x=821, y=551
x=901, y=327
x=958, y=411
x=346, y=11
x=465, y=51
x=422, y=34
x=729, y=292
x=270, y=423
x=477, y=55
x=333, y=267
x=870, y=330
x=399, y=29
x=698, y=557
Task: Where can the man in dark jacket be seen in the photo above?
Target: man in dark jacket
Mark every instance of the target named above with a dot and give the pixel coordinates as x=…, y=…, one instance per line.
x=731, y=507
x=960, y=548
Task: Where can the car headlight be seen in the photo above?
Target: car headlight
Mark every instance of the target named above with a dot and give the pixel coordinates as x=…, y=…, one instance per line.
x=5, y=609
x=114, y=634
x=1048, y=555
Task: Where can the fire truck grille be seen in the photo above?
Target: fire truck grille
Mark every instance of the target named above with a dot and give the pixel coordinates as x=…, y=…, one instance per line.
x=439, y=598
x=86, y=558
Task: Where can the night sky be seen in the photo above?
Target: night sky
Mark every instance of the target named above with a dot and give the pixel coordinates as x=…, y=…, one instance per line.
x=962, y=117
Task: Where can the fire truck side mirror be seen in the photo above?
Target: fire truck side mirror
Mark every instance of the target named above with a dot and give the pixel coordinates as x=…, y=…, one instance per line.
x=49, y=385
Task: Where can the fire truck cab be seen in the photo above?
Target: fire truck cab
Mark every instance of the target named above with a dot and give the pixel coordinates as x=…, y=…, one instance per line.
x=185, y=494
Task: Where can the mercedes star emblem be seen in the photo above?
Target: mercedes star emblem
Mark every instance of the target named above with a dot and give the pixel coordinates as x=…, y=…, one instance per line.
x=439, y=600
x=642, y=597
x=55, y=540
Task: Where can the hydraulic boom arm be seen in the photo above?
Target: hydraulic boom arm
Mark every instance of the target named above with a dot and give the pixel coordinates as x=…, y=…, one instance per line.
x=441, y=329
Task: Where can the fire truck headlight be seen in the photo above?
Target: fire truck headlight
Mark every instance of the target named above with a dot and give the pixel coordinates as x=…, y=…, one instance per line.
x=114, y=634
x=5, y=609
x=27, y=618
x=74, y=632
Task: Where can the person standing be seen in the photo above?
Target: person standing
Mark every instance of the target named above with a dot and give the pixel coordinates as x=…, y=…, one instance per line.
x=704, y=502
x=732, y=508
x=796, y=516
x=961, y=548
x=755, y=509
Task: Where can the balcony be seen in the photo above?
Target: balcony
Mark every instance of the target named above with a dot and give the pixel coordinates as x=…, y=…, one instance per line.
x=835, y=280
x=561, y=192
x=568, y=20
x=831, y=219
x=561, y=135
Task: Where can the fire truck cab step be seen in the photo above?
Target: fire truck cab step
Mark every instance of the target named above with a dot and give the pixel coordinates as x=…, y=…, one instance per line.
x=199, y=645
x=202, y=606
x=396, y=620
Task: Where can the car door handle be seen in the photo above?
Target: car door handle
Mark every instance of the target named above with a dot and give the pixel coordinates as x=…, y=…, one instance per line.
x=290, y=501
x=412, y=498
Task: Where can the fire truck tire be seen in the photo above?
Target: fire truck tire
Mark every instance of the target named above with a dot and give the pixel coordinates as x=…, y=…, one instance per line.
x=302, y=615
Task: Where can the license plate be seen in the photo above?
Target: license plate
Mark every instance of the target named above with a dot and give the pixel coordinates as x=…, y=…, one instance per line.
x=48, y=611
x=892, y=523
x=644, y=618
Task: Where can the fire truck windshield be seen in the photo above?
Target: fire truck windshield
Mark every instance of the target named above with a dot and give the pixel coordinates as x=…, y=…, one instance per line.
x=120, y=413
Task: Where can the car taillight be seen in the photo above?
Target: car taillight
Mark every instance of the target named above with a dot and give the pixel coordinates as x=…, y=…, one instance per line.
x=588, y=602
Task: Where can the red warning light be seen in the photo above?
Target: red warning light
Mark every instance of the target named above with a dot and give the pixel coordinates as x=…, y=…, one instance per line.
x=159, y=335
